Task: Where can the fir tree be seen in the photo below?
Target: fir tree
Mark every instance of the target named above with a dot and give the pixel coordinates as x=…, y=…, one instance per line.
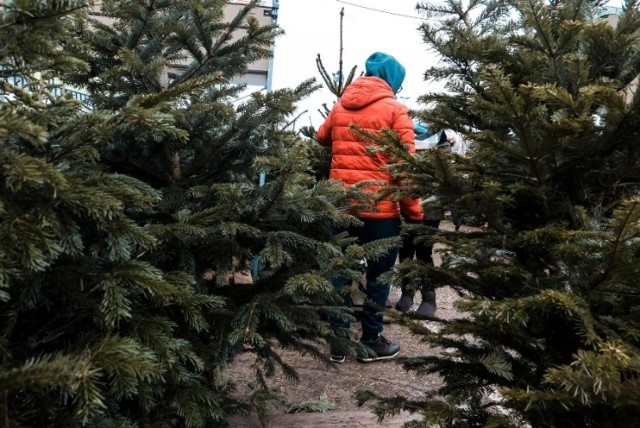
x=336, y=83
x=113, y=212
x=544, y=92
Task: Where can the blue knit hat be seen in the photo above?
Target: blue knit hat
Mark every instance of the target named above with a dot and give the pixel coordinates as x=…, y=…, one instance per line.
x=387, y=68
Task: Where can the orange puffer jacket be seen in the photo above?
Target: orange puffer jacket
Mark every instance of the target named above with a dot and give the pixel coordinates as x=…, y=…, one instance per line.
x=368, y=103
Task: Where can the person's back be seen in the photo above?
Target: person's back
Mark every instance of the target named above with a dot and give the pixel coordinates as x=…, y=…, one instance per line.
x=369, y=103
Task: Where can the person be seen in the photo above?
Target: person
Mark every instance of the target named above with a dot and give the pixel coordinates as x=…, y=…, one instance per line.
x=425, y=140
x=369, y=103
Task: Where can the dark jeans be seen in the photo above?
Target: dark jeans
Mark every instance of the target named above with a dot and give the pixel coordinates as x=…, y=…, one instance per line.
x=377, y=292
x=422, y=252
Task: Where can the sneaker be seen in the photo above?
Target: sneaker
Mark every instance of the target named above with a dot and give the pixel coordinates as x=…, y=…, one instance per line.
x=382, y=350
x=405, y=303
x=339, y=350
x=336, y=358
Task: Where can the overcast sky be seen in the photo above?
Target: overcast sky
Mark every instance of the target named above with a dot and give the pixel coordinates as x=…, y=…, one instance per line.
x=313, y=27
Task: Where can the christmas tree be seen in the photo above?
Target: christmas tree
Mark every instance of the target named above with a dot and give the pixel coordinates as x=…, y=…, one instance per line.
x=124, y=217
x=548, y=334
x=335, y=82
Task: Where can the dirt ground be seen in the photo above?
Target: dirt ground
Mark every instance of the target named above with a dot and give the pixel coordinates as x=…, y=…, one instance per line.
x=338, y=384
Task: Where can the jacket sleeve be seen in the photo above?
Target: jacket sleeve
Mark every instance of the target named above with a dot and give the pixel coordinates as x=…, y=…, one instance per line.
x=403, y=125
x=324, y=132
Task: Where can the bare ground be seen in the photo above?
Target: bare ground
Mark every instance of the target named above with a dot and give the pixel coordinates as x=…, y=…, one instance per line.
x=339, y=383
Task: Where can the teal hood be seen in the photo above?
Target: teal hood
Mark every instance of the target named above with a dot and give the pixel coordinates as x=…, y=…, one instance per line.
x=387, y=68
